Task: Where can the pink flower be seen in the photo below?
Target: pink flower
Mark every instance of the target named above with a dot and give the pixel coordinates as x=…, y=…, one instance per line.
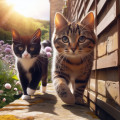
x=1, y=91
x=4, y=99
x=48, y=49
x=7, y=86
x=15, y=89
x=48, y=54
x=18, y=83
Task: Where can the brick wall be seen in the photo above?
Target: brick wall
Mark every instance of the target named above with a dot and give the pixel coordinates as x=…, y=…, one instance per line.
x=55, y=6
x=103, y=90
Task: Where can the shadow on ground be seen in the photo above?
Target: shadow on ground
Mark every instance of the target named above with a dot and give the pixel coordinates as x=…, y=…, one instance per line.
x=43, y=103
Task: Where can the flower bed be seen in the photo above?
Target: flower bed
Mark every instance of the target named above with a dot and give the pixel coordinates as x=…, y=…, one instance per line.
x=9, y=85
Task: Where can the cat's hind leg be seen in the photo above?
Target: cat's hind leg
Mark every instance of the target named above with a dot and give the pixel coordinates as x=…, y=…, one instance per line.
x=62, y=89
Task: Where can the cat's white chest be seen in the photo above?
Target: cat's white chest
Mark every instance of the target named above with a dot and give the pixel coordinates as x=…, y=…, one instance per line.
x=27, y=63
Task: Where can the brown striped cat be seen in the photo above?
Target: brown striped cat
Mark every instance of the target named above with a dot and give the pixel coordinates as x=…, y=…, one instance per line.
x=73, y=53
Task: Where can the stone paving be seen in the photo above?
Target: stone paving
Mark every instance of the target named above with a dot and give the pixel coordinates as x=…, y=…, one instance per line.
x=45, y=107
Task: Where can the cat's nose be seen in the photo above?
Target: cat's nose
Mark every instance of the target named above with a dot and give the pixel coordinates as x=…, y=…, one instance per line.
x=73, y=49
x=25, y=55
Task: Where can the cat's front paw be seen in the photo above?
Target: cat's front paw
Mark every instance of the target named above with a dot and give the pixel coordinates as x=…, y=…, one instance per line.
x=30, y=91
x=25, y=97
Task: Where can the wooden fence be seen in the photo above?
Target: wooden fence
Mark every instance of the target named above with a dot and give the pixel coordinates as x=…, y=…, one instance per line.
x=103, y=90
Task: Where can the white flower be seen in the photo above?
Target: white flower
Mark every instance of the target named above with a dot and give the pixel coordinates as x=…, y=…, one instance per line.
x=8, y=86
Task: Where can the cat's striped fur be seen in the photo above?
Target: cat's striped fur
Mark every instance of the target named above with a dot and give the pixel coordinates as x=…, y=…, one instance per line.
x=73, y=51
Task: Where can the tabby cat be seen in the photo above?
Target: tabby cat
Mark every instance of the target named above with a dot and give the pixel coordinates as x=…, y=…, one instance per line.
x=31, y=61
x=73, y=53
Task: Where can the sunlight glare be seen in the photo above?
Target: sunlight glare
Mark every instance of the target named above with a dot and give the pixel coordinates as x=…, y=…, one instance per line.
x=30, y=7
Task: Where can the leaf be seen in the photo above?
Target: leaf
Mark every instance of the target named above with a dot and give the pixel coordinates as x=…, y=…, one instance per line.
x=15, y=77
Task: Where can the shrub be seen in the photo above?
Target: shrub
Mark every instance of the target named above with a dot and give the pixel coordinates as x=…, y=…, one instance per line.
x=9, y=86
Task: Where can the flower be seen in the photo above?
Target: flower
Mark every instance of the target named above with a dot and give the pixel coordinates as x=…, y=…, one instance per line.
x=1, y=91
x=7, y=86
x=18, y=83
x=20, y=92
x=48, y=49
x=1, y=42
x=8, y=46
x=48, y=54
x=7, y=50
x=15, y=89
x=4, y=99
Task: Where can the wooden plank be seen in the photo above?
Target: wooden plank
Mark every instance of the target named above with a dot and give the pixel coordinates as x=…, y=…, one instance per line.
x=100, y=97
x=110, y=16
x=92, y=96
x=110, y=60
x=109, y=109
x=88, y=6
x=86, y=92
x=75, y=6
x=102, y=46
x=94, y=65
x=108, y=41
x=92, y=106
x=92, y=84
x=101, y=87
x=112, y=39
x=112, y=91
x=81, y=10
x=100, y=5
x=85, y=99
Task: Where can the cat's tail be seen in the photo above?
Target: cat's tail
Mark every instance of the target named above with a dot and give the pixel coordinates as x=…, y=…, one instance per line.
x=63, y=90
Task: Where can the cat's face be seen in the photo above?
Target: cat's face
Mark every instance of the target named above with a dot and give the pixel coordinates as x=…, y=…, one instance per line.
x=74, y=39
x=26, y=47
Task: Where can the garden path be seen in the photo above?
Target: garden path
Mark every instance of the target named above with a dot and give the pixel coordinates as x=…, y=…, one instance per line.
x=45, y=107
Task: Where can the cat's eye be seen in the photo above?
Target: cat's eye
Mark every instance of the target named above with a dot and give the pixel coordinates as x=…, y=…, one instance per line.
x=82, y=39
x=32, y=48
x=20, y=48
x=65, y=39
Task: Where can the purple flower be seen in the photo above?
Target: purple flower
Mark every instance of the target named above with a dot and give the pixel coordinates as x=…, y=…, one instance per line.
x=9, y=46
x=48, y=49
x=6, y=56
x=48, y=54
x=7, y=50
x=1, y=42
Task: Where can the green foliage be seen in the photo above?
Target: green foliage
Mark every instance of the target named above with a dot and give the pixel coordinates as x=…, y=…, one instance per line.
x=9, y=19
x=7, y=76
x=5, y=35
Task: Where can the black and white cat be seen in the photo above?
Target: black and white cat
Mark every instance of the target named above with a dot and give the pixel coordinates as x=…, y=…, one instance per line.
x=31, y=61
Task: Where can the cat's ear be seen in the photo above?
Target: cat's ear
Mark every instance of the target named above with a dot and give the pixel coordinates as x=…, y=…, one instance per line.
x=60, y=21
x=89, y=20
x=36, y=36
x=15, y=36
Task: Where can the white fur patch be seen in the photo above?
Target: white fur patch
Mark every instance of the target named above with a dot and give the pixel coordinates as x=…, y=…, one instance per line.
x=27, y=63
x=25, y=97
x=26, y=54
x=43, y=89
x=30, y=91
